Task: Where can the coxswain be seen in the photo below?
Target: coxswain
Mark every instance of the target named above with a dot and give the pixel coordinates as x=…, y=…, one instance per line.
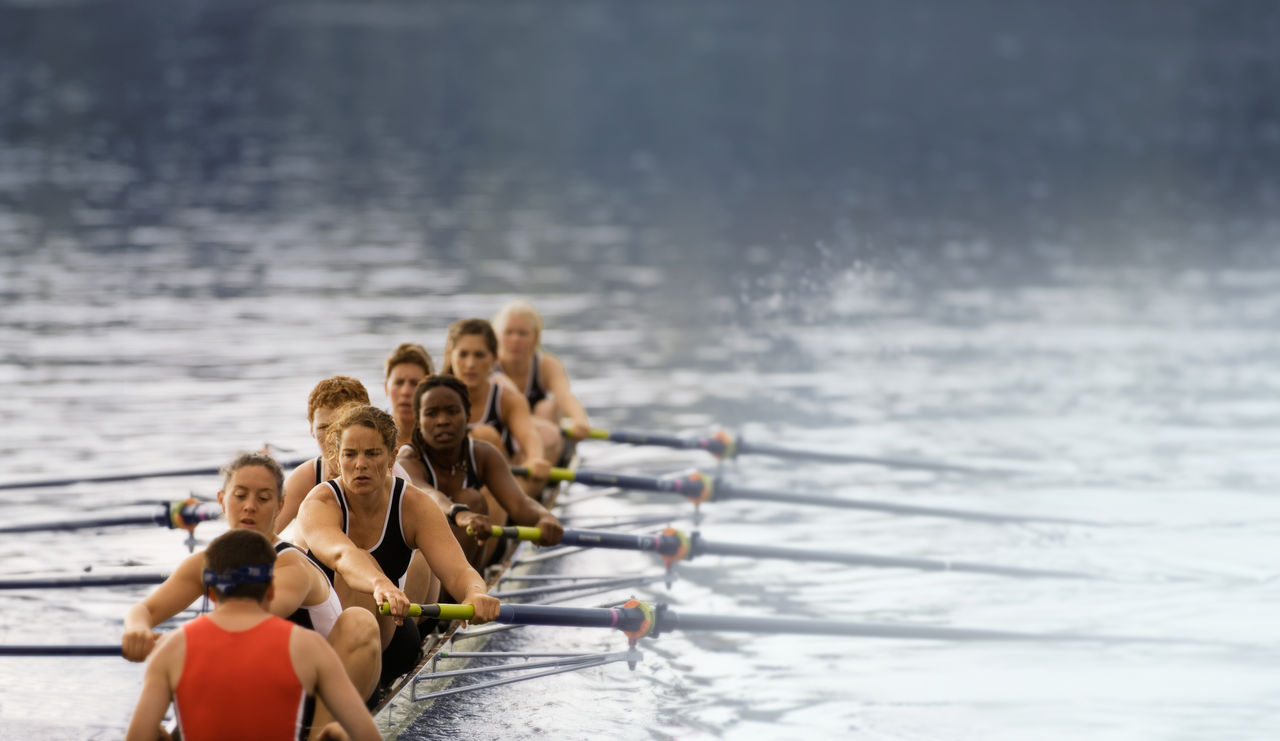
x=302, y=593
x=240, y=671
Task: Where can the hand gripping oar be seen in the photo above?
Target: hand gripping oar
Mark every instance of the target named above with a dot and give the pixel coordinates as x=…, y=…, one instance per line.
x=185, y=514
x=724, y=445
x=638, y=619
x=700, y=488
x=674, y=546
x=109, y=478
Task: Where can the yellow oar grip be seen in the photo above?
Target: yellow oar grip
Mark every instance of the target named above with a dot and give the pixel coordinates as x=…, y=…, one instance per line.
x=560, y=474
x=593, y=433
x=442, y=611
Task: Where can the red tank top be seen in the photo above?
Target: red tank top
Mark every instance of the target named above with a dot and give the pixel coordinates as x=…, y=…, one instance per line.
x=238, y=685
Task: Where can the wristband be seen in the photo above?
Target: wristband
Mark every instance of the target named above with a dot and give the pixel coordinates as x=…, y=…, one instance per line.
x=453, y=513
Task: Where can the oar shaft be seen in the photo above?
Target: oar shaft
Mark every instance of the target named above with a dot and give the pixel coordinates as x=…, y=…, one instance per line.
x=662, y=441
x=664, y=544
x=82, y=580
x=729, y=491
x=190, y=514
x=745, y=447
x=109, y=478
x=38, y=650
x=662, y=620
x=700, y=546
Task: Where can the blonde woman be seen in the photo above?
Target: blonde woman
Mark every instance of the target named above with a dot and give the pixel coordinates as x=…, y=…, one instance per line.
x=540, y=374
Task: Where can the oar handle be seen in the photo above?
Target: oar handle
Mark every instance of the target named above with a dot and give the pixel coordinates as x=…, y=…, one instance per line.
x=444, y=611
x=555, y=474
x=519, y=532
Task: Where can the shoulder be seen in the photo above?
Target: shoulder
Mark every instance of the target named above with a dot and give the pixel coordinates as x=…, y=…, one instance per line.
x=486, y=452
x=503, y=381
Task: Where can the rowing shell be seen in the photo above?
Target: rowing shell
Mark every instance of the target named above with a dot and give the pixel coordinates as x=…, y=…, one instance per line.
x=399, y=709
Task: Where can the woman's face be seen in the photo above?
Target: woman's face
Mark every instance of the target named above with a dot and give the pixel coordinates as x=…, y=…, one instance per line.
x=443, y=421
x=251, y=499
x=401, y=381
x=519, y=336
x=471, y=360
x=363, y=459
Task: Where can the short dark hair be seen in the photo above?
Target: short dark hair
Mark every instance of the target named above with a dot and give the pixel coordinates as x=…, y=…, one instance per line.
x=236, y=549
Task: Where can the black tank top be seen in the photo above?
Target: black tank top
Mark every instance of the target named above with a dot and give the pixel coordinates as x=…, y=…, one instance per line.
x=472, y=479
x=493, y=417
x=391, y=551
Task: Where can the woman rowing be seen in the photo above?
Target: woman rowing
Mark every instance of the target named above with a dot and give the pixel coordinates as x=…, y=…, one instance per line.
x=499, y=412
x=324, y=401
x=366, y=524
x=473, y=474
x=541, y=374
x=250, y=498
x=404, y=369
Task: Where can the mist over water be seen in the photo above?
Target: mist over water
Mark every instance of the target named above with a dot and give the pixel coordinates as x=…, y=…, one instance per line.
x=1005, y=235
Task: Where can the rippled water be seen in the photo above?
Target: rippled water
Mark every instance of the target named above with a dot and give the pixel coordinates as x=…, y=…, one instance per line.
x=1016, y=237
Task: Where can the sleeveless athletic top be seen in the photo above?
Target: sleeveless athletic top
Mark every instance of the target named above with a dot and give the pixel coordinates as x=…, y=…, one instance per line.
x=391, y=551
x=493, y=417
x=321, y=617
x=318, y=461
x=472, y=479
x=226, y=672
x=534, y=390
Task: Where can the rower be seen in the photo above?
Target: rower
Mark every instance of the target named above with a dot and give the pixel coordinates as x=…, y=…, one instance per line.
x=404, y=369
x=541, y=374
x=499, y=412
x=366, y=525
x=473, y=474
x=326, y=399
x=323, y=403
x=303, y=593
x=240, y=671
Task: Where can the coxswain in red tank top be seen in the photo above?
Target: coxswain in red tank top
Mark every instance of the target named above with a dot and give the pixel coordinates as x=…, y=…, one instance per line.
x=240, y=672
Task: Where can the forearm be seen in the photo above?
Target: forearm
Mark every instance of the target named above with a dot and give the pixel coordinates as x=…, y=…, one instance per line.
x=465, y=581
x=359, y=569
x=139, y=617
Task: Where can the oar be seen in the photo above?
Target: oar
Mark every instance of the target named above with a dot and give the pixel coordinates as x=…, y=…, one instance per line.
x=184, y=514
x=639, y=619
x=108, y=478
x=109, y=649
x=674, y=546
x=702, y=488
x=724, y=445
x=82, y=580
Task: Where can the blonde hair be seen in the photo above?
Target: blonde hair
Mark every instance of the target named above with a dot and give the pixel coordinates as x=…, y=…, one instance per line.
x=519, y=307
x=408, y=352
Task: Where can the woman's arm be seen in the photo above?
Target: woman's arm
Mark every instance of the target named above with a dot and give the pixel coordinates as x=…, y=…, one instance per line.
x=524, y=510
x=431, y=535
x=184, y=586
x=515, y=412
x=321, y=519
x=557, y=382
